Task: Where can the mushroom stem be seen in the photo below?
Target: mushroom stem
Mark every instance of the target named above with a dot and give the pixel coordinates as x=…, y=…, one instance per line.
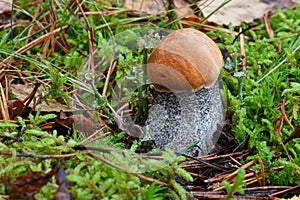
x=178, y=120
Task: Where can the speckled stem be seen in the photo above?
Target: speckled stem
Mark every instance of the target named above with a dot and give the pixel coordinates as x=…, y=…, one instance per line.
x=179, y=120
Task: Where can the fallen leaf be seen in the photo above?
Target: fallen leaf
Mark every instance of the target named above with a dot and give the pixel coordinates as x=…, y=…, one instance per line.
x=15, y=108
x=235, y=12
x=5, y=6
x=5, y=11
x=29, y=184
x=23, y=91
x=157, y=7
x=153, y=7
x=64, y=184
x=84, y=124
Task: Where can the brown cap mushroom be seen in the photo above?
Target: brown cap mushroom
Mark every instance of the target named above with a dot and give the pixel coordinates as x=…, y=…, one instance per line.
x=186, y=60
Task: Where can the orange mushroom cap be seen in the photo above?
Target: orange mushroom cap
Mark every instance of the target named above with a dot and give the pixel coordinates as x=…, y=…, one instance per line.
x=186, y=60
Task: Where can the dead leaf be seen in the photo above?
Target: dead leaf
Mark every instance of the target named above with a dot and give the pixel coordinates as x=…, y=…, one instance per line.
x=64, y=121
x=15, y=108
x=29, y=184
x=5, y=11
x=280, y=3
x=153, y=7
x=23, y=91
x=84, y=124
x=5, y=6
x=236, y=11
x=157, y=7
x=64, y=184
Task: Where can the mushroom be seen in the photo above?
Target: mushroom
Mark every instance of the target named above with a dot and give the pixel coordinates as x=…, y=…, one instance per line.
x=187, y=108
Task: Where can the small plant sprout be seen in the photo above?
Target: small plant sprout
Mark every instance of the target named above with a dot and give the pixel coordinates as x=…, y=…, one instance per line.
x=237, y=185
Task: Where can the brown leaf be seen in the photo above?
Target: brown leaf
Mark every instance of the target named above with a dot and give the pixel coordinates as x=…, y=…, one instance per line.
x=5, y=6
x=62, y=115
x=153, y=7
x=280, y=3
x=5, y=11
x=84, y=124
x=29, y=184
x=157, y=7
x=64, y=184
x=236, y=11
x=15, y=108
x=23, y=91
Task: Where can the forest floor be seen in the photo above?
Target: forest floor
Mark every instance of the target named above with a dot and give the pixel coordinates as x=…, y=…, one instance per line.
x=66, y=95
